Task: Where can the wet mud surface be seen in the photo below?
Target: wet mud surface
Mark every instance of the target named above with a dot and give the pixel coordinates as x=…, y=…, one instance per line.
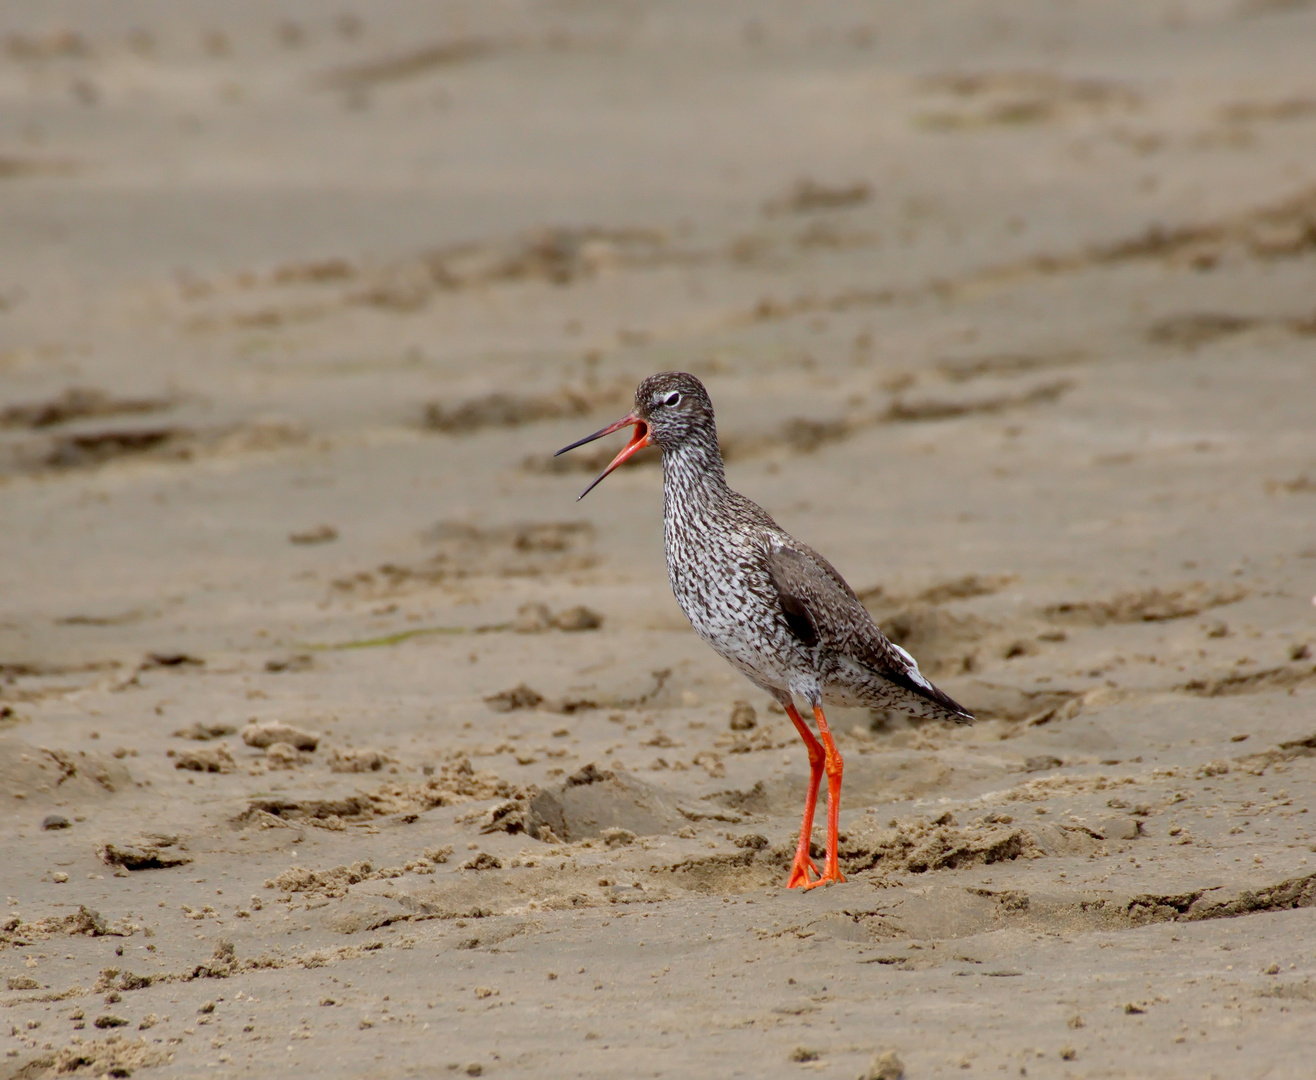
x=336, y=736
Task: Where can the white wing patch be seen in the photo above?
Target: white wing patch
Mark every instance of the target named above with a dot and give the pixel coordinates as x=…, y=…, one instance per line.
x=912, y=671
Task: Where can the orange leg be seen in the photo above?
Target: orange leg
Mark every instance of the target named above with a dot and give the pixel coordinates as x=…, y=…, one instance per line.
x=799, y=878
x=833, y=766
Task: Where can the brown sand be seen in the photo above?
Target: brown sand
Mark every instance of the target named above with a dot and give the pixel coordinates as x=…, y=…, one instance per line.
x=366, y=751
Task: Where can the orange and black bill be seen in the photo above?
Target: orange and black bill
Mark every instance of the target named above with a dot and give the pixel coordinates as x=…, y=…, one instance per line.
x=638, y=442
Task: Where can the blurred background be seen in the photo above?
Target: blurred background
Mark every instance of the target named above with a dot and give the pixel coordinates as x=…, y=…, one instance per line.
x=274, y=268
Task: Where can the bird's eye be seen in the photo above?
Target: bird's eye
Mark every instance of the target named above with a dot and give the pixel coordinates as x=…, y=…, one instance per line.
x=674, y=398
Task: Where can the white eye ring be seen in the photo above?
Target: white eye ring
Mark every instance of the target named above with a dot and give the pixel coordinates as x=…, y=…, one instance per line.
x=674, y=398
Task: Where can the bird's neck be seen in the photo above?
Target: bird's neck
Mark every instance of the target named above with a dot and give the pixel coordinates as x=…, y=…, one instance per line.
x=693, y=477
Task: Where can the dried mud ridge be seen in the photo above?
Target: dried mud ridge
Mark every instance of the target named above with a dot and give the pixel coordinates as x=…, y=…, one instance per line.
x=1285, y=229
x=504, y=410
x=43, y=444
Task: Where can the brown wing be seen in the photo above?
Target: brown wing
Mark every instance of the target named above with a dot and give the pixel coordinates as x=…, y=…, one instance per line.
x=821, y=609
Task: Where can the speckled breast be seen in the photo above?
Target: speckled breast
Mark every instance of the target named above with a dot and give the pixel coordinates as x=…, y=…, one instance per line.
x=723, y=594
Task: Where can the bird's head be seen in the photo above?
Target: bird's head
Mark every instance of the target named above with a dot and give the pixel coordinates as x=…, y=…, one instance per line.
x=671, y=408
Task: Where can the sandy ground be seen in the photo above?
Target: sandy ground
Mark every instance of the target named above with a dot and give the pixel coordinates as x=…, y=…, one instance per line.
x=336, y=737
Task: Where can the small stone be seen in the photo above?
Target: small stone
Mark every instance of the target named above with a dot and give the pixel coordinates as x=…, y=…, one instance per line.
x=1068, y=1053
x=1273, y=969
x=59, y=877
x=483, y=992
x=54, y=821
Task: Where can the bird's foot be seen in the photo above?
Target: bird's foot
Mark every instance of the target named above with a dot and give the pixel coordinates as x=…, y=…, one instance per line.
x=799, y=878
x=831, y=875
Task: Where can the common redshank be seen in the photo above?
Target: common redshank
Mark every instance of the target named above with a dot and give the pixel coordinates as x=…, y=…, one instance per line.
x=771, y=606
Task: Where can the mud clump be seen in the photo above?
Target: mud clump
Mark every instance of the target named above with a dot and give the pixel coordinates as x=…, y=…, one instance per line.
x=263, y=735
x=146, y=853
x=537, y=618
x=920, y=847
x=205, y=732
x=84, y=922
x=113, y=1056
x=743, y=717
x=519, y=697
x=213, y=759
x=357, y=759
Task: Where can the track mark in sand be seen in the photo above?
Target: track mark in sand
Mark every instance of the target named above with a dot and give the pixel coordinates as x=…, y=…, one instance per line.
x=415, y=63
x=902, y=411
x=1007, y=365
x=505, y=410
x=1192, y=330
x=522, y=696
x=456, y=781
x=1256, y=682
x=1283, y=110
x=1148, y=605
x=808, y=196
x=1282, y=230
x=98, y=447
x=13, y=167
x=1012, y=98
x=559, y=256
x=73, y=451
x=943, y=592
x=464, y=551
x=1199, y=905
x=77, y=403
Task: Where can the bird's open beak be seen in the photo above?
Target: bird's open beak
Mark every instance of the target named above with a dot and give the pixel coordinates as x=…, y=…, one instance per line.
x=638, y=442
